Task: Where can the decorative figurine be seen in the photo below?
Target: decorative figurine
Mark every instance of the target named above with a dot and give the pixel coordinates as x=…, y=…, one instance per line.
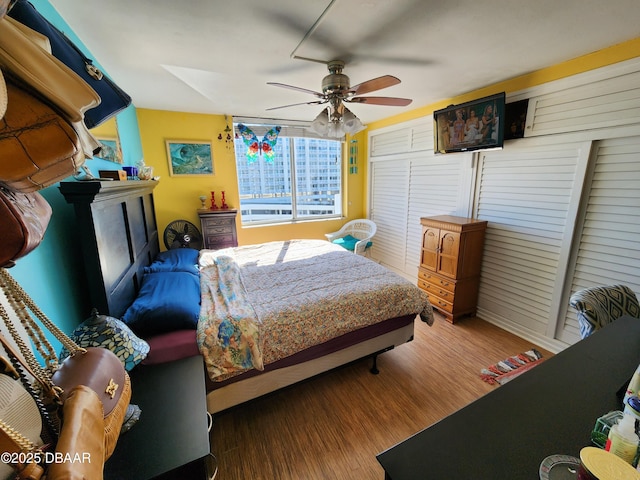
x=145, y=172
x=203, y=202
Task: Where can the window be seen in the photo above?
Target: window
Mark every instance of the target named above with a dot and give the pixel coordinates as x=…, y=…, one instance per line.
x=304, y=181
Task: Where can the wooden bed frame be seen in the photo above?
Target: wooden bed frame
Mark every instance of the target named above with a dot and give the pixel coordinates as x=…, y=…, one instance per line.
x=119, y=236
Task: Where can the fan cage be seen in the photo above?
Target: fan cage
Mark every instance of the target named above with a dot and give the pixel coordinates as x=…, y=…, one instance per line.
x=182, y=234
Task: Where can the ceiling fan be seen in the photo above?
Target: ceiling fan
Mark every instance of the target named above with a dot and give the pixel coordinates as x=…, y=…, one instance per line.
x=337, y=90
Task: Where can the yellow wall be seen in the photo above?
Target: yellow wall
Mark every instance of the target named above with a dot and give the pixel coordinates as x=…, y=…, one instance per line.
x=106, y=129
x=177, y=197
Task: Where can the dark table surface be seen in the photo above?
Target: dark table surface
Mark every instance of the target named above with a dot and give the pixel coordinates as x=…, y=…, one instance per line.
x=549, y=410
x=172, y=430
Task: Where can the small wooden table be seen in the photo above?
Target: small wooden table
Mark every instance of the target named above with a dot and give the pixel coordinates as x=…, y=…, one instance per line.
x=218, y=228
x=171, y=435
x=549, y=410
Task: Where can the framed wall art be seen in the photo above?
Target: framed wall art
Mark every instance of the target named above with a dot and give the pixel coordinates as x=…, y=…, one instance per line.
x=189, y=158
x=111, y=150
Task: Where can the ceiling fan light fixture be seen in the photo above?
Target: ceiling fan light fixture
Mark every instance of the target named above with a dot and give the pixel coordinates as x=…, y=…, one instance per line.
x=335, y=122
x=320, y=124
x=335, y=130
x=351, y=124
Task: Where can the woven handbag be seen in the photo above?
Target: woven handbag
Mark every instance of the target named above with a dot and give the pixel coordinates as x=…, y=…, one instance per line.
x=95, y=367
x=20, y=425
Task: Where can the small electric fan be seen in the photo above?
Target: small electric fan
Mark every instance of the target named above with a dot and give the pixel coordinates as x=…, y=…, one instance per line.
x=182, y=234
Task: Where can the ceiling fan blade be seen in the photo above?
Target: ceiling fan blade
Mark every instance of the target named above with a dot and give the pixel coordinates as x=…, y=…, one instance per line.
x=375, y=84
x=299, y=89
x=390, y=101
x=317, y=102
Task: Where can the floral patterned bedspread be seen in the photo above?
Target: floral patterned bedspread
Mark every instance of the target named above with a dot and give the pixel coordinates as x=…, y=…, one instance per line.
x=262, y=303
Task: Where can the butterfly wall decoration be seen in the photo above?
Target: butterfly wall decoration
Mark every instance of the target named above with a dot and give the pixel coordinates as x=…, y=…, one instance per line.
x=257, y=147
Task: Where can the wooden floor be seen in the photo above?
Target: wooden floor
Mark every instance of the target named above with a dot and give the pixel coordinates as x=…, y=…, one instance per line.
x=332, y=426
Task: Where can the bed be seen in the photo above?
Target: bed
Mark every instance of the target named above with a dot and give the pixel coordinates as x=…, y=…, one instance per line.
x=266, y=316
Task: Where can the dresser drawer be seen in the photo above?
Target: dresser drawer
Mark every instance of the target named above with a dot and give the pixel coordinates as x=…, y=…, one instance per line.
x=439, y=303
x=433, y=289
x=217, y=240
x=218, y=229
x=215, y=223
x=436, y=280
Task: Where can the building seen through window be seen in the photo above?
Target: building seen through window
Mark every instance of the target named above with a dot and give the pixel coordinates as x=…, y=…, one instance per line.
x=303, y=181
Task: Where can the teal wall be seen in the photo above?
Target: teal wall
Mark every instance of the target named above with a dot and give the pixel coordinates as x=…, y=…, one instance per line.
x=53, y=273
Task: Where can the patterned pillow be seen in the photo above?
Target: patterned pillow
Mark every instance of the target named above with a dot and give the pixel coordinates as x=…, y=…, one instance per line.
x=111, y=333
x=598, y=306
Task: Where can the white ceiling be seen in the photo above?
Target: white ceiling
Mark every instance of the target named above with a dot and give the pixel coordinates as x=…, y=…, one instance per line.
x=214, y=56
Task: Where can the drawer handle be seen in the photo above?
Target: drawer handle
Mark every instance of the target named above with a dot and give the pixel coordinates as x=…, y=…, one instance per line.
x=442, y=303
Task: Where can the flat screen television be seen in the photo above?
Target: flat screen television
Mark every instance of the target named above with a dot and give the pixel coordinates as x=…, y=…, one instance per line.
x=474, y=125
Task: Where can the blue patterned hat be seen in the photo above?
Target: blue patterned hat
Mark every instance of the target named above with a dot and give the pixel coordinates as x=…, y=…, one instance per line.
x=111, y=333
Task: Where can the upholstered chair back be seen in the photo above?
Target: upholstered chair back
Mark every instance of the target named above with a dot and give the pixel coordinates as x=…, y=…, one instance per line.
x=598, y=306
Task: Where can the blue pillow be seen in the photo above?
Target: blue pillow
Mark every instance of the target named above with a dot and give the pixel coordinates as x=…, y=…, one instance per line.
x=176, y=260
x=349, y=242
x=167, y=301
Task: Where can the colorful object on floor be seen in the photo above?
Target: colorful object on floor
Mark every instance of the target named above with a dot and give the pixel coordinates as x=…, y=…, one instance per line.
x=256, y=147
x=511, y=367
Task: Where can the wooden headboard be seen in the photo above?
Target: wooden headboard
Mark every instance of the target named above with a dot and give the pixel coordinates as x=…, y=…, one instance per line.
x=118, y=235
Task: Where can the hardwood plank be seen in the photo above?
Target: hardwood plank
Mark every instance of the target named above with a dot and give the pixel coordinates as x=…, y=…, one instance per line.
x=332, y=426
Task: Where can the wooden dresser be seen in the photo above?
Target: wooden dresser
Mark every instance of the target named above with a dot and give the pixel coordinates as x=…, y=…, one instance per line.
x=450, y=261
x=218, y=228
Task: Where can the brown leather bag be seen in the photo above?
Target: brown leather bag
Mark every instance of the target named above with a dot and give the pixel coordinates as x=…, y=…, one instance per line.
x=25, y=55
x=79, y=452
x=80, y=438
x=102, y=371
x=38, y=147
x=23, y=220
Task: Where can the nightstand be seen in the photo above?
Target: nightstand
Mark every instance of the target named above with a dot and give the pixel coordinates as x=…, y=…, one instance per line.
x=218, y=228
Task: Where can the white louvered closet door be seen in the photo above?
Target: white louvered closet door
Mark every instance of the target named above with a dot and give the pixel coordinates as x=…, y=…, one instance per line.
x=527, y=196
x=390, y=184
x=435, y=184
x=408, y=182
x=403, y=191
x=608, y=251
